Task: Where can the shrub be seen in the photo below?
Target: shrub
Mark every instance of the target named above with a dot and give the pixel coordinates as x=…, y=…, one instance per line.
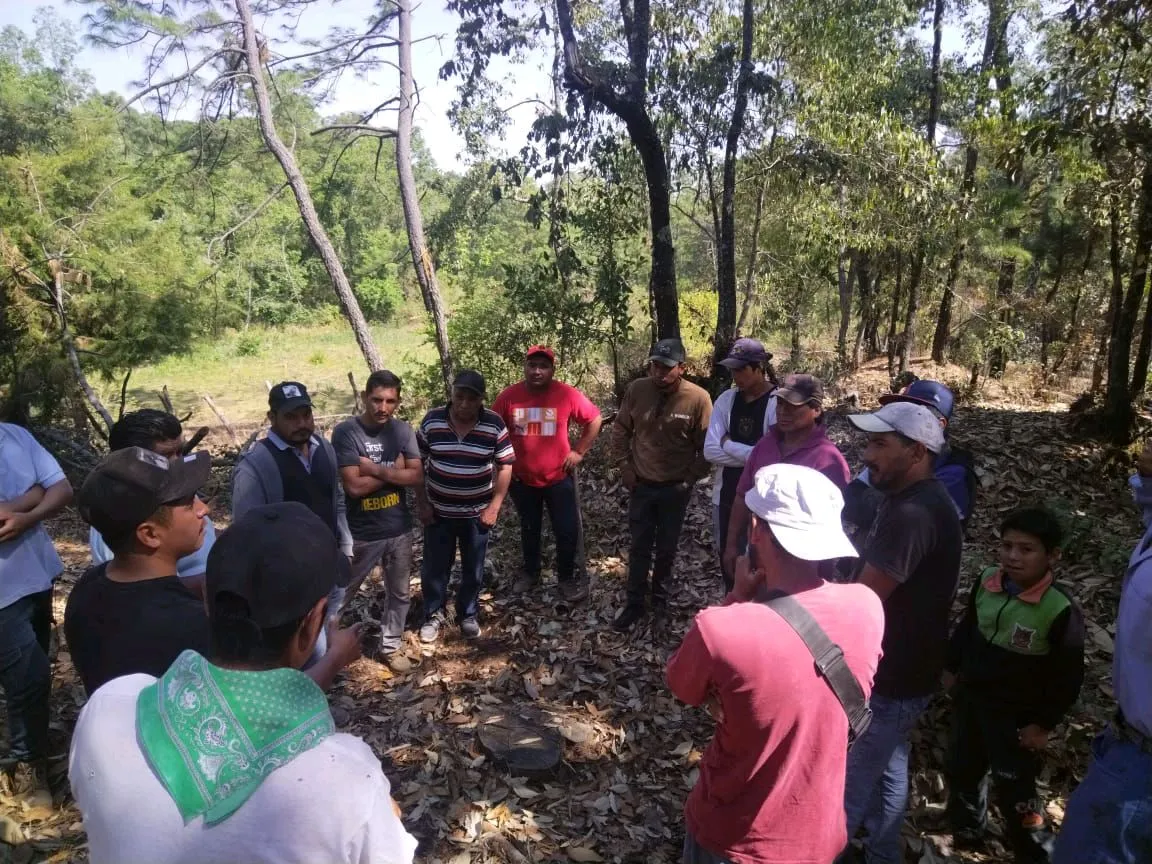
x=248, y=344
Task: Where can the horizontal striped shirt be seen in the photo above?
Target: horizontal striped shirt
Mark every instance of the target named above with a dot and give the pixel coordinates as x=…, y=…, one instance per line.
x=458, y=472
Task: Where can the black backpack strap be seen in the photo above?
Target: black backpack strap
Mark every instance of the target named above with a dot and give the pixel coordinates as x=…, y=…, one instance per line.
x=830, y=663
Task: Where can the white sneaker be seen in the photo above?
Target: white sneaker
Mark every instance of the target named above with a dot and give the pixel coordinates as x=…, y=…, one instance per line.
x=430, y=632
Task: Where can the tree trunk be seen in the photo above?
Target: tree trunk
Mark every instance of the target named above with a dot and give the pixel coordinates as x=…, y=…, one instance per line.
x=872, y=322
x=726, y=240
x=909, y=343
x=1118, y=399
x=630, y=106
x=934, y=86
x=753, y=254
x=992, y=37
x=845, y=277
x=73, y=358
x=1115, y=298
x=413, y=219
x=894, y=314
x=796, y=321
x=319, y=237
x=999, y=16
x=864, y=277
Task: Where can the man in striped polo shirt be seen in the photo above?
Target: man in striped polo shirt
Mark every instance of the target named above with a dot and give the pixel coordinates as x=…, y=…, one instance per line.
x=467, y=469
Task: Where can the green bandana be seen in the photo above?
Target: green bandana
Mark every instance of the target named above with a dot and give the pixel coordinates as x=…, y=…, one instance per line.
x=212, y=735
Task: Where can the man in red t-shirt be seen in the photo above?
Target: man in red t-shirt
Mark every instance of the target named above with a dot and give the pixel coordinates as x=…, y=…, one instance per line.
x=771, y=781
x=537, y=412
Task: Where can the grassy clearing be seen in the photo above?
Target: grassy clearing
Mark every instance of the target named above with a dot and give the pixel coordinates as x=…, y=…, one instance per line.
x=233, y=369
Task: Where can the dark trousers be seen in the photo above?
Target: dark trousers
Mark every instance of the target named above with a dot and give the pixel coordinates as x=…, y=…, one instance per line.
x=564, y=511
x=25, y=674
x=985, y=738
x=440, y=541
x=655, y=518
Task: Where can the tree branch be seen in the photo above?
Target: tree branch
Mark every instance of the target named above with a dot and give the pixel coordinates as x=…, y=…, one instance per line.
x=177, y=79
x=359, y=127
x=259, y=209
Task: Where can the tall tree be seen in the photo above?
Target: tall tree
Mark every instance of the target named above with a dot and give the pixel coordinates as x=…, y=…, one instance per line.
x=629, y=103
x=414, y=219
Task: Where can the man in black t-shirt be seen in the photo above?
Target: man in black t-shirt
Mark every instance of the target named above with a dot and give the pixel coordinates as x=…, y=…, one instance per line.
x=378, y=458
x=911, y=559
x=132, y=614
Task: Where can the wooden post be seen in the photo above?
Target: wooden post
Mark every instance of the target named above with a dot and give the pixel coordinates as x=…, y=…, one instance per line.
x=223, y=420
x=355, y=393
x=166, y=400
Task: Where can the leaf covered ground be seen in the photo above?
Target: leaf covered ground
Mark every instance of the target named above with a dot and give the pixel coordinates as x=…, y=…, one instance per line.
x=629, y=749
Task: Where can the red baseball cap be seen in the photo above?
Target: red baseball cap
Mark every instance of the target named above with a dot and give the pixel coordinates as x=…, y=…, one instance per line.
x=541, y=349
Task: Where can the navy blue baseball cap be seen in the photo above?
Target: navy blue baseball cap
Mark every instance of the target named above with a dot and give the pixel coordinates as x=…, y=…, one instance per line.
x=932, y=394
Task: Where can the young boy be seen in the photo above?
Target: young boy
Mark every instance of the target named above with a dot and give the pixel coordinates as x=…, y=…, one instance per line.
x=1017, y=662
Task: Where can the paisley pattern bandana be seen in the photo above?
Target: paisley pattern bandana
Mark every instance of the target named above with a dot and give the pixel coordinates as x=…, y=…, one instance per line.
x=213, y=735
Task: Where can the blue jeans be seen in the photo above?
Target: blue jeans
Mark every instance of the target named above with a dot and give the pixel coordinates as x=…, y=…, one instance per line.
x=564, y=511
x=440, y=539
x=1109, y=816
x=25, y=674
x=876, y=791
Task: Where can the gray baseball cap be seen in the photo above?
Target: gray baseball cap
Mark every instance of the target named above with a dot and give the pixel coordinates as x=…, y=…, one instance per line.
x=909, y=419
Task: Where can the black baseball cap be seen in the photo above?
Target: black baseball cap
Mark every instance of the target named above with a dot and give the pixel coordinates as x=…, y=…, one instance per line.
x=801, y=389
x=279, y=559
x=669, y=352
x=129, y=485
x=469, y=379
x=288, y=396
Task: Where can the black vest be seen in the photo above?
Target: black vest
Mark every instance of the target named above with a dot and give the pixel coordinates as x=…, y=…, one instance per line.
x=316, y=490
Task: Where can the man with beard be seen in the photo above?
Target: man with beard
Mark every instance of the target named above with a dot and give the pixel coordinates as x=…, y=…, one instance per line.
x=292, y=463
x=537, y=412
x=658, y=443
x=911, y=559
x=379, y=459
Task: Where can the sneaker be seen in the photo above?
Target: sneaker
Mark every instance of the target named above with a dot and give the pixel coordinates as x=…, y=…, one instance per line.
x=526, y=583
x=574, y=591
x=430, y=632
x=628, y=616
x=470, y=627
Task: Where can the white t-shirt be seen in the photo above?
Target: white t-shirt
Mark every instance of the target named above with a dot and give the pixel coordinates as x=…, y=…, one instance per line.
x=330, y=805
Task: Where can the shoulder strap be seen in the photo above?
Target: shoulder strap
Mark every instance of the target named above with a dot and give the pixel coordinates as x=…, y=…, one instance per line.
x=830, y=663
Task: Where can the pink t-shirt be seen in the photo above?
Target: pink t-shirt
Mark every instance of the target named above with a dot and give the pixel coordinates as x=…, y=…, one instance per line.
x=538, y=426
x=771, y=785
x=818, y=452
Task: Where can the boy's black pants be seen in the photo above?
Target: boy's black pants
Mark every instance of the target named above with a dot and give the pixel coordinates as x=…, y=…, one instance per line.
x=985, y=739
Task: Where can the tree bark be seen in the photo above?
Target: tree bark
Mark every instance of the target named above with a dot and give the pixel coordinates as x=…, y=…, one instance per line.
x=1118, y=399
x=914, y=277
x=348, y=303
x=630, y=107
x=845, y=277
x=967, y=184
x=753, y=254
x=413, y=218
x=73, y=358
x=999, y=16
x=1115, y=298
x=894, y=314
x=934, y=86
x=726, y=240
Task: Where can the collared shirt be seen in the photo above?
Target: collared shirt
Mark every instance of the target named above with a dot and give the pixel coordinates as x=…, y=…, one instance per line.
x=1132, y=660
x=459, y=471
x=305, y=458
x=29, y=563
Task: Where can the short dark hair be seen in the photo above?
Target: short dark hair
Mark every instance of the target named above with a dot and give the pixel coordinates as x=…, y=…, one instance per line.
x=383, y=378
x=1036, y=522
x=119, y=534
x=236, y=638
x=143, y=428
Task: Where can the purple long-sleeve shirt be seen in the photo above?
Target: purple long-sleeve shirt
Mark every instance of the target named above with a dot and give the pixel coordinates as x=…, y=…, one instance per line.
x=817, y=452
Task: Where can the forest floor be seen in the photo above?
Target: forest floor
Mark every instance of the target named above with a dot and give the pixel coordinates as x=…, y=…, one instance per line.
x=630, y=749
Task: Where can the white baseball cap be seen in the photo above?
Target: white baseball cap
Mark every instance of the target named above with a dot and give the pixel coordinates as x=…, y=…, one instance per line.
x=802, y=506
x=909, y=419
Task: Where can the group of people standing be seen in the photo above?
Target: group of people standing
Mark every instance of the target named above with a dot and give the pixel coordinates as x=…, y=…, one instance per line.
x=206, y=657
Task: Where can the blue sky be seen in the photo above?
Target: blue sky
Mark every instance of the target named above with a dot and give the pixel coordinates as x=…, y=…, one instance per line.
x=117, y=70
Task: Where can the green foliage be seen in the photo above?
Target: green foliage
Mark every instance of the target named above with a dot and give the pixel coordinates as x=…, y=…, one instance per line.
x=248, y=344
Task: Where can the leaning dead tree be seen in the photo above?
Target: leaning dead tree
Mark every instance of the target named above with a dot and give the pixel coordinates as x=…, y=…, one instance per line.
x=222, y=61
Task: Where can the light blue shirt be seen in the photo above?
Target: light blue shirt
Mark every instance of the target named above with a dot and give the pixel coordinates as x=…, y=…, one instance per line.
x=195, y=564
x=1132, y=660
x=281, y=444
x=29, y=563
